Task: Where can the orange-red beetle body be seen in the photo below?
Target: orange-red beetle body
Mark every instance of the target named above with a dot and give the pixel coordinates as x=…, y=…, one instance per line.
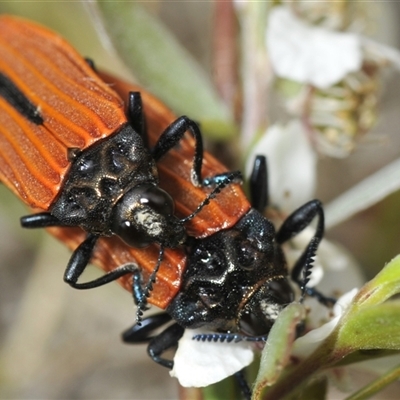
x=78, y=109
x=218, y=264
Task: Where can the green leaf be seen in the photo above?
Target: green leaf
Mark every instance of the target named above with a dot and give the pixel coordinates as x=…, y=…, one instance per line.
x=164, y=67
x=277, y=350
x=385, y=285
x=372, y=327
x=369, y=328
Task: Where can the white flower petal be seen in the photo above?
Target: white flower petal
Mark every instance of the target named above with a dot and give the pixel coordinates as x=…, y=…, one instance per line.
x=306, y=344
x=198, y=364
x=310, y=54
x=344, y=302
x=291, y=165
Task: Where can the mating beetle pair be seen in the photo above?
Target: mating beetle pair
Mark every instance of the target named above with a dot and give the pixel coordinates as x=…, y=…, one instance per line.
x=68, y=149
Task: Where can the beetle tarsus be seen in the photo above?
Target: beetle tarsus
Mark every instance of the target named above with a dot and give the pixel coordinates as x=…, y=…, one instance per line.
x=243, y=385
x=40, y=220
x=228, y=178
x=167, y=339
x=258, y=184
x=320, y=297
x=144, y=333
x=79, y=261
x=224, y=179
x=136, y=116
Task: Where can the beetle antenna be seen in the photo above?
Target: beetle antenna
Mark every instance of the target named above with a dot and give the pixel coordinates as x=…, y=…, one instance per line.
x=148, y=288
x=228, y=338
x=221, y=182
x=308, y=265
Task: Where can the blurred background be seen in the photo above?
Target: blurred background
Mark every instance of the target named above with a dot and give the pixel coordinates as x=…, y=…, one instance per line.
x=56, y=342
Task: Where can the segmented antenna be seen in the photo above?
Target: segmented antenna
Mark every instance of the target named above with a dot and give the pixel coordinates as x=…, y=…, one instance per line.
x=148, y=288
x=231, y=177
x=308, y=265
x=228, y=337
x=222, y=182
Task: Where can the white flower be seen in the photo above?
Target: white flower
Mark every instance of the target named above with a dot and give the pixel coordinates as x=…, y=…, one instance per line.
x=310, y=54
x=291, y=165
x=305, y=345
x=199, y=364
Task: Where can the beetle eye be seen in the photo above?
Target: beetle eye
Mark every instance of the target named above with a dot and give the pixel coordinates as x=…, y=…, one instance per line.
x=247, y=255
x=157, y=199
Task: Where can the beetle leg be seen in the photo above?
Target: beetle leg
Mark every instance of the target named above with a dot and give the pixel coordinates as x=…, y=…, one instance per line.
x=40, y=220
x=258, y=185
x=136, y=116
x=300, y=219
x=292, y=226
x=91, y=63
x=143, y=333
x=137, y=288
x=223, y=179
x=243, y=385
x=79, y=261
x=164, y=341
x=171, y=137
x=158, y=344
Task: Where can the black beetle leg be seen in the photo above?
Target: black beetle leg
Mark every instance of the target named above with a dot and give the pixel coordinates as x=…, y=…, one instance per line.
x=158, y=344
x=136, y=116
x=292, y=226
x=79, y=261
x=258, y=185
x=40, y=220
x=223, y=179
x=164, y=341
x=91, y=64
x=143, y=333
x=171, y=137
x=137, y=287
x=243, y=385
x=300, y=219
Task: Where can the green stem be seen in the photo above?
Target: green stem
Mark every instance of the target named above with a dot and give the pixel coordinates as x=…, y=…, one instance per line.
x=301, y=373
x=377, y=385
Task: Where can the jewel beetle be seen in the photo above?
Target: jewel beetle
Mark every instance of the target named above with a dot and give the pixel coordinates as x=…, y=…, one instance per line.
x=68, y=149
x=110, y=252
x=233, y=281
x=227, y=272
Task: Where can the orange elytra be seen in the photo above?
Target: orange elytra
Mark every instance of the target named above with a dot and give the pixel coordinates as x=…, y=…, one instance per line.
x=54, y=108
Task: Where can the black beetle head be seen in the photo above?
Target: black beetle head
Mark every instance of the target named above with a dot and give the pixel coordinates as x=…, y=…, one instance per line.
x=234, y=276
x=144, y=215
